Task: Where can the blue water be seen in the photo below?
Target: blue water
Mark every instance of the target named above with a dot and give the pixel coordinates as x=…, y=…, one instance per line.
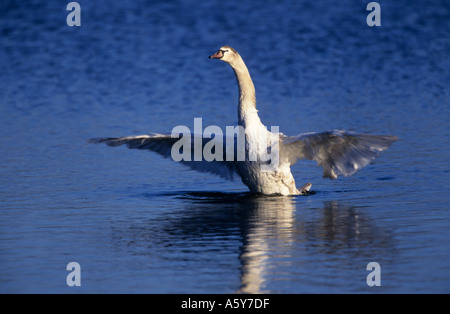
x=139, y=223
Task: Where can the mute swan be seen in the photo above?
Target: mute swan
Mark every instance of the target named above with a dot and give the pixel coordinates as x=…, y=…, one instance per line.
x=337, y=152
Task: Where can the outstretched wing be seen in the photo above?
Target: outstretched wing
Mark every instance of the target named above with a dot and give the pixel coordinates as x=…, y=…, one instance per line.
x=337, y=152
x=162, y=144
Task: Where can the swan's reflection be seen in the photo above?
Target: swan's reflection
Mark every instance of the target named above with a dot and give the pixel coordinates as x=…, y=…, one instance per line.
x=272, y=220
x=275, y=232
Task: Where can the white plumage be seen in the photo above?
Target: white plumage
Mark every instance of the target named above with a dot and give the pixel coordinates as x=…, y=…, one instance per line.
x=337, y=152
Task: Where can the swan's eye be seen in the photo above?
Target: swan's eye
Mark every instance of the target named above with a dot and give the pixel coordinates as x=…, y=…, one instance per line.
x=223, y=51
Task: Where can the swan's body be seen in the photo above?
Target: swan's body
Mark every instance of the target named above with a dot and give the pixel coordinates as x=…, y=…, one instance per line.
x=338, y=152
x=280, y=181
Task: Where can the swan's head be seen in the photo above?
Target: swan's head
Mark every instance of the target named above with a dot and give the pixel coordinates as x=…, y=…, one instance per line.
x=226, y=54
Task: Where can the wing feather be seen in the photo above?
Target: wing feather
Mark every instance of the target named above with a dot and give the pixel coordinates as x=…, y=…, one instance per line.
x=337, y=152
x=162, y=144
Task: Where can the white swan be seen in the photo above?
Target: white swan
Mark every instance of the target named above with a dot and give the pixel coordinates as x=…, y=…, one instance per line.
x=338, y=152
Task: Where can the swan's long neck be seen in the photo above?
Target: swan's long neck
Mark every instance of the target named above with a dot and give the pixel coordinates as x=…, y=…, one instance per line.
x=247, y=102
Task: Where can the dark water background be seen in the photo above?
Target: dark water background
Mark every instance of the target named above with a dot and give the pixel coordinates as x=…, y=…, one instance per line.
x=138, y=223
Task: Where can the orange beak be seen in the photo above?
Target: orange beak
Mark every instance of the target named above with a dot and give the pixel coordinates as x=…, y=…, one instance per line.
x=217, y=55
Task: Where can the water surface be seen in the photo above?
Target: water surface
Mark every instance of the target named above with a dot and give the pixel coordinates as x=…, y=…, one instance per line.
x=138, y=223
